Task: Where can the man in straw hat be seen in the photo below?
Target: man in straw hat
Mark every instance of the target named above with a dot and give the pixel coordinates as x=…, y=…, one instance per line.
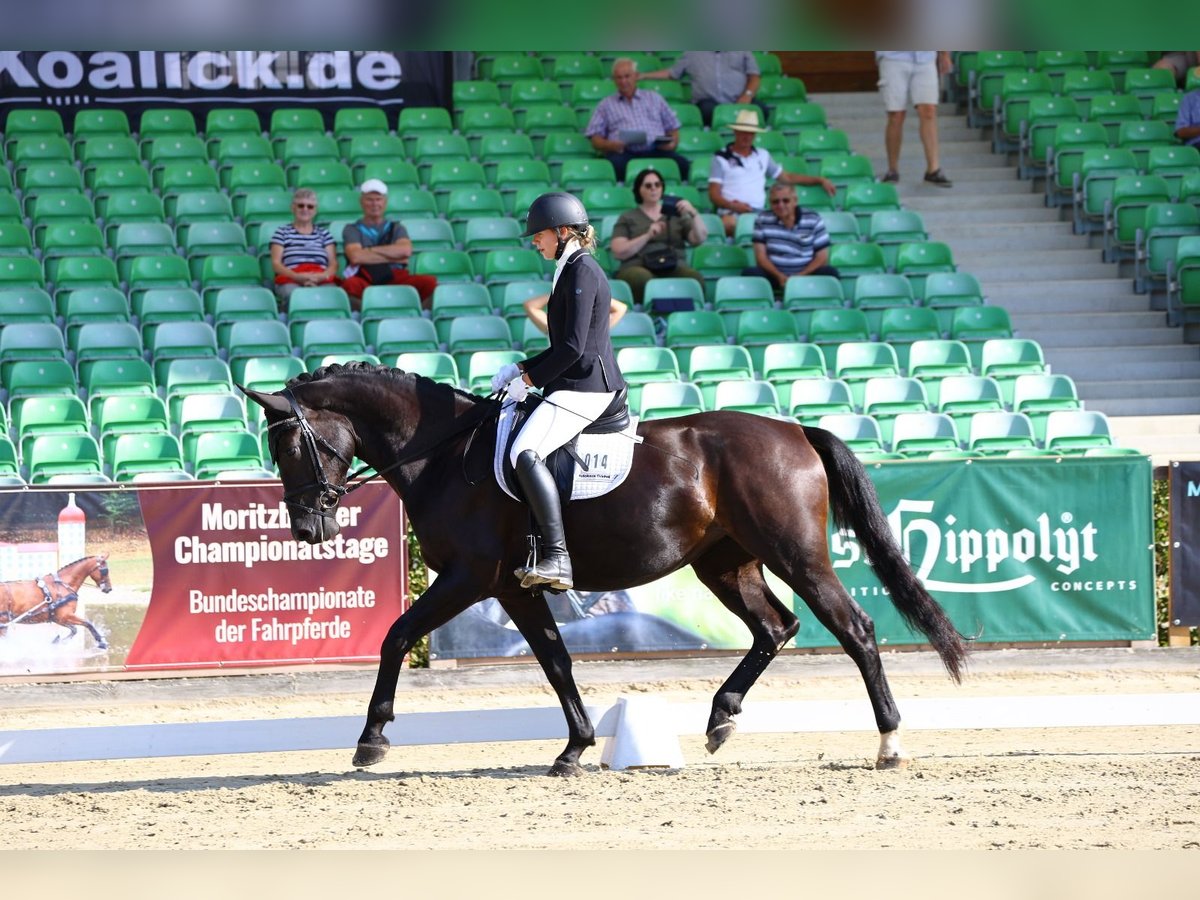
x=737, y=181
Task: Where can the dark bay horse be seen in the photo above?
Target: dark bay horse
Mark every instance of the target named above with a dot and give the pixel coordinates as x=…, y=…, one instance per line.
x=54, y=597
x=723, y=492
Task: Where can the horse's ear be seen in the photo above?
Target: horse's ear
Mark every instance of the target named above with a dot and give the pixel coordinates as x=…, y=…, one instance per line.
x=267, y=401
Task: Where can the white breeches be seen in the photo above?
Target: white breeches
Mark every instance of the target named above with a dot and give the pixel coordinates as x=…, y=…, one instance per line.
x=560, y=417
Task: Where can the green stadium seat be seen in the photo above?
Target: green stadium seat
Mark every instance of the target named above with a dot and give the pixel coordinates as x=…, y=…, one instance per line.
x=405, y=335
x=62, y=454
x=666, y=399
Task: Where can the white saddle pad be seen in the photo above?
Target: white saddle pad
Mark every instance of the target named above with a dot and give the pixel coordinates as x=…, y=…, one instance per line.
x=607, y=457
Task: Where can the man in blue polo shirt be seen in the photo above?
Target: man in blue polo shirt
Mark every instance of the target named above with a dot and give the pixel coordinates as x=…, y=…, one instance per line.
x=789, y=242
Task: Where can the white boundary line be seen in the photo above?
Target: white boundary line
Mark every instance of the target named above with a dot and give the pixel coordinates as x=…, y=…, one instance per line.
x=642, y=731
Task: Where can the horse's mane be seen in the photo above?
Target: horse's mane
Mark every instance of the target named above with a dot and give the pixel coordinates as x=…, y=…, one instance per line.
x=360, y=368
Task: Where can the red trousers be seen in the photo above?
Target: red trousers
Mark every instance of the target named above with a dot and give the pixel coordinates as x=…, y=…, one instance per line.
x=356, y=284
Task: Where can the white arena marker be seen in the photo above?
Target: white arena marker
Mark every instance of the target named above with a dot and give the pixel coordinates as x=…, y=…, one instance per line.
x=644, y=737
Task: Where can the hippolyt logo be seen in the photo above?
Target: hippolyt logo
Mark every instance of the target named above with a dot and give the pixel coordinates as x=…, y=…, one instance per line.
x=928, y=540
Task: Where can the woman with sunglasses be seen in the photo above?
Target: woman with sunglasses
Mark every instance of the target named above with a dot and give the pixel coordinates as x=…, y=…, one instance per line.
x=302, y=252
x=651, y=239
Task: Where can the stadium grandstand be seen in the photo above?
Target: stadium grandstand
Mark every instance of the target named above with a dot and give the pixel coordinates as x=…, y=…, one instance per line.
x=1043, y=306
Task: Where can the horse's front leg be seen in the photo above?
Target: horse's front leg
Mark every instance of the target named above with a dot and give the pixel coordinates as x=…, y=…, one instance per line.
x=449, y=595
x=531, y=614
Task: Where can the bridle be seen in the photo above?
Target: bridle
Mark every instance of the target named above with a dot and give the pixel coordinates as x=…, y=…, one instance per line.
x=102, y=571
x=329, y=493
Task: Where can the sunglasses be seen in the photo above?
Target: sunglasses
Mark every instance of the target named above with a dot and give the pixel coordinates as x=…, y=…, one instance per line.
x=782, y=201
x=652, y=184
x=305, y=205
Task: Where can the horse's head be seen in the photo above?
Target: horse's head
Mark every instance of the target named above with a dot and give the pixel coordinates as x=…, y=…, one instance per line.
x=313, y=449
x=100, y=573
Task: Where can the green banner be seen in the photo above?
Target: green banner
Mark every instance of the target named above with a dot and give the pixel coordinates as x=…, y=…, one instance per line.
x=1013, y=549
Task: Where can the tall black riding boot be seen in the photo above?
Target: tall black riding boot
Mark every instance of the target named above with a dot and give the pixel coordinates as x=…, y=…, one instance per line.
x=541, y=493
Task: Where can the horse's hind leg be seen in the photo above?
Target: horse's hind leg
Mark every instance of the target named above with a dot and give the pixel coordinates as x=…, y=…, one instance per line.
x=854, y=630
x=71, y=621
x=737, y=580
x=531, y=615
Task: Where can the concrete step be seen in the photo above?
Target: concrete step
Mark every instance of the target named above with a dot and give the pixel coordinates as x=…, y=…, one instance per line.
x=1103, y=369
x=1028, y=308
x=998, y=289
x=926, y=197
x=1148, y=389
x=1159, y=406
x=1016, y=236
x=1155, y=426
x=1095, y=337
x=941, y=218
x=1079, y=358
x=1016, y=257
x=1037, y=267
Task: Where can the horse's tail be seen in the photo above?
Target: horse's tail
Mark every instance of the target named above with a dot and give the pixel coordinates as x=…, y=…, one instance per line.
x=855, y=505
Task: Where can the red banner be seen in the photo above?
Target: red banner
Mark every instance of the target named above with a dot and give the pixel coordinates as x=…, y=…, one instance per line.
x=232, y=586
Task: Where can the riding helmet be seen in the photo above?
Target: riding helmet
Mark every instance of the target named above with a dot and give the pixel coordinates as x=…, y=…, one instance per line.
x=553, y=210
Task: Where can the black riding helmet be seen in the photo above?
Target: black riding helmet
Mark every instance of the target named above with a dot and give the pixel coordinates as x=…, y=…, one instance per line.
x=554, y=210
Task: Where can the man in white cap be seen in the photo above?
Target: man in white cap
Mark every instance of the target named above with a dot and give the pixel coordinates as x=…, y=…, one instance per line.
x=737, y=181
x=378, y=250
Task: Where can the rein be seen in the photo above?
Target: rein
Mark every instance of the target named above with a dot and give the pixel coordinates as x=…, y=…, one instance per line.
x=332, y=493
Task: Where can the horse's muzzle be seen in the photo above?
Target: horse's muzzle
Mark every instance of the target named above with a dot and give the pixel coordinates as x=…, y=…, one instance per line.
x=314, y=529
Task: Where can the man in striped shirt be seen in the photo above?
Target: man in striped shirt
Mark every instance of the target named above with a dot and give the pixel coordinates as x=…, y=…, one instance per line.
x=789, y=241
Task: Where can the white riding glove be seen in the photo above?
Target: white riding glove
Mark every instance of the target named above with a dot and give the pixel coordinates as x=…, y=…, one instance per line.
x=517, y=389
x=507, y=373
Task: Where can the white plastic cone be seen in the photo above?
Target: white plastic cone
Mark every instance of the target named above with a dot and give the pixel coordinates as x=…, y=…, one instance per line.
x=644, y=736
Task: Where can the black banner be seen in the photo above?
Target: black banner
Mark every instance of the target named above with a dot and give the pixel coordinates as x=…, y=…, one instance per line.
x=1185, y=543
x=68, y=80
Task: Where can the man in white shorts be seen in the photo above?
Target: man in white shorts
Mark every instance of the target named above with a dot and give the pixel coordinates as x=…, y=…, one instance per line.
x=912, y=76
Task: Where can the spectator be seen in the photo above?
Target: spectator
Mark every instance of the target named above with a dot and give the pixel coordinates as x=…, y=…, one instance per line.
x=378, y=250
x=651, y=240
x=1187, y=122
x=739, y=173
x=912, y=76
x=718, y=76
x=302, y=253
x=789, y=241
x=633, y=124
x=1179, y=61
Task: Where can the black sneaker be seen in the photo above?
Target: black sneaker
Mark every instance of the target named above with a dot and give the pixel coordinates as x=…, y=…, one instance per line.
x=938, y=177
x=891, y=177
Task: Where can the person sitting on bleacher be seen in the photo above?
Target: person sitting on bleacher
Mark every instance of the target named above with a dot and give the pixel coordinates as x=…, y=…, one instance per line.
x=633, y=124
x=302, y=252
x=378, y=250
x=789, y=242
x=1187, y=121
x=739, y=173
x=651, y=240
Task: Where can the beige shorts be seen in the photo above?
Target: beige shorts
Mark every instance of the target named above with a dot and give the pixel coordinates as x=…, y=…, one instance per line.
x=903, y=84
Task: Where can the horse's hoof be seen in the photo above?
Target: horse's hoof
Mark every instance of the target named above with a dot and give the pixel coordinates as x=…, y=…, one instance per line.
x=102, y=646
x=886, y=763
x=719, y=735
x=369, y=754
x=562, y=769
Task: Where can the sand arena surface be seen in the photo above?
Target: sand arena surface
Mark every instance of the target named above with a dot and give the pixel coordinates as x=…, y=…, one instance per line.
x=1077, y=788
